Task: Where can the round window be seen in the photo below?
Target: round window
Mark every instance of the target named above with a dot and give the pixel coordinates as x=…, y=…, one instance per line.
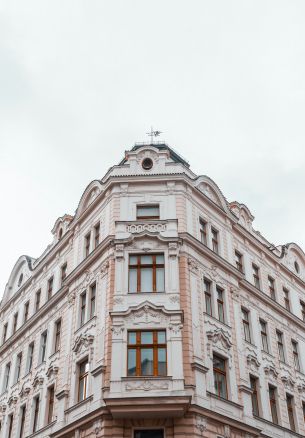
x=147, y=163
x=296, y=267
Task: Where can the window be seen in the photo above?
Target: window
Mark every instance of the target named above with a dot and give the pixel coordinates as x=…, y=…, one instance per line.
x=239, y=261
x=60, y=233
x=246, y=325
x=146, y=354
x=18, y=367
x=26, y=312
x=255, y=272
x=297, y=267
x=214, y=240
x=97, y=235
x=303, y=310
x=15, y=321
x=264, y=337
x=148, y=212
x=20, y=280
x=289, y=402
x=271, y=287
x=220, y=304
x=146, y=273
x=295, y=351
x=87, y=244
x=286, y=298
x=4, y=336
x=208, y=296
x=145, y=433
x=50, y=287
x=280, y=345
x=83, y=380
x=10, y=426
x=92, y=299
x=30, y=357
x=22, y=421
x=6, y=376
x=37, y=300
x=273, y=407
x=50, y=404
x=83, y=299
x=254, y=396
x=43, y=346
x=63, y=273
x=57, y=335
x=303, y=407
x=220, y=376
x=36, y=414
x=203, y=231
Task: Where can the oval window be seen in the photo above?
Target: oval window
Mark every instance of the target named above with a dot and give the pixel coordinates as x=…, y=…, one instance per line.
x=296, y=267
x=147, y=163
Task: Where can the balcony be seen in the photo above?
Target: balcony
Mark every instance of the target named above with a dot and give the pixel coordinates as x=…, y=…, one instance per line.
x=165, y=228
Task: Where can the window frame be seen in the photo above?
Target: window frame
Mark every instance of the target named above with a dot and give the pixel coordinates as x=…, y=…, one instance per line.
x=18, y=367
x=36, y=400
x=26, y=312
x=51, y=400
x=63, y=273
x=37, y=300
x=273, y=404
x=154, y=266
x=43, y=346
x=220, y=372
x=215, y=240
x=203, y=225
x=286, y=294
x=239, y=261
x=254, y=395
x=50, y=287
x=87, y=244
x=264, y=335
x=208, y=296
x=296, y=355
x=4, y=333
x=149, y=217
x=280, y=345
x=22, y=420
x=271, y=287
x=220, y=304
x=6, y=376
x=82, y=308
x=256, y=276
x=92, y=288
x=246, y=323
x=302, y=303
x=57, y=335
x=30, y=357
x=83, y=377
x=15, y=323
x=290, y=411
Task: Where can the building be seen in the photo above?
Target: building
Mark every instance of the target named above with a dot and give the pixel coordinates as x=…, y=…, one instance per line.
x=156, y=312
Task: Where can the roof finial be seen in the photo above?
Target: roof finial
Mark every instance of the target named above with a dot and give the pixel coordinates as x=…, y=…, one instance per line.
x=153, y=134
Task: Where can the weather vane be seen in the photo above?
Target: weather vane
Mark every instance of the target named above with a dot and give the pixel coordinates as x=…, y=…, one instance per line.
x=153, y=134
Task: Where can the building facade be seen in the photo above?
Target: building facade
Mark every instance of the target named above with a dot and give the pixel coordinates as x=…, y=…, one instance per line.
x=156, y=312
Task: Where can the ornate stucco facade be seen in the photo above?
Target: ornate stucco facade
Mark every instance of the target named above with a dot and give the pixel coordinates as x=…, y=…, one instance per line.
x=154, y=252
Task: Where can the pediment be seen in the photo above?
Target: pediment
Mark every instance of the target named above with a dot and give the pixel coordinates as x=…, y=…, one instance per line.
x=90, y=194
x=243, y=214
x=82, y=342
x=21, y=272
x=210, y=189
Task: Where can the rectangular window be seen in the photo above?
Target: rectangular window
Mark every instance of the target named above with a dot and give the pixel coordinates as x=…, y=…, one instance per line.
x=83, y=369
x=37, y=300
x=286, y=298
x=264, y=337
x=18, y=367
x=43, y=346
x=63, y=273
x=36, y=414
x=289, y=402
x=15, y=321
x=254, y=395
x=203, y=231
x=26, y=312
x=215, y=247
x=92, y=299
x=280, y=345
x=87, y=244
x=10, y=426
x=255, y=271
x=22, y=421
x=50, y=404
x=303, y=310
x=149, y=433
x=97, y=235
x=50, y=287
x=146, y=354
x=273, y=406
x=303, y=407
x=271, y=285
x=57, y=335
x=220, y=376
x=30, y=357
x=239, y=261
x=148, y=212
x=246, y=324
x=207, y=296
x=295, y=351
x=83, y=299
x=4, y=336
x=146, y=273
x=6, y=376
x=220, y=304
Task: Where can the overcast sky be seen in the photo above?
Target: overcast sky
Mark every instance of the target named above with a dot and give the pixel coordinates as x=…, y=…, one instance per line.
x=81, y=81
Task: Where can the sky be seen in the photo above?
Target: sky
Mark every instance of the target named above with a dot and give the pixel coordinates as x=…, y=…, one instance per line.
x=82, y=81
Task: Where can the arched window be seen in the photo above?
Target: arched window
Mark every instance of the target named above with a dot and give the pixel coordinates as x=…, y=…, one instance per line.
x=60, y=234
x=20, y=280
x=296, y=267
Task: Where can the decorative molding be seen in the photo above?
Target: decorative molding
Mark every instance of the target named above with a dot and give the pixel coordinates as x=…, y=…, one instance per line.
x=62, y=394
x=227, y=431
x=146, y=385
x=201, y=424
x=252, y=360
x=193, y=265
x=104, y=268
x=219, y=336
x=152, y=227
x=119, y=251
x=174, y=298
x=176, y=328
x=117, y=330
x=83, y=340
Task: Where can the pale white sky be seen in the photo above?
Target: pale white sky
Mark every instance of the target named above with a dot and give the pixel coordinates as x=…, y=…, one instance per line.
x=81, y=81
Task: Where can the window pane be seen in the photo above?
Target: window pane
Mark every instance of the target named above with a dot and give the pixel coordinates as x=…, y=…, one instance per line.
x=146, y=280
x=148, y=211
x=81, y=393
x=132, y=280
x=160, y=259
x=161, y=361
x=146, y=337
x=220, y=385
x=146, y=260
x=161, y=338
x=219, y=363
x=132, y=338
x=133, y=260
x=131, y=362
x=160, y=279
x=147, y=362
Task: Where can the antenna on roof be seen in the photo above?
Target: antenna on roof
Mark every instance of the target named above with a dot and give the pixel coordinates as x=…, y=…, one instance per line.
x=153, y=134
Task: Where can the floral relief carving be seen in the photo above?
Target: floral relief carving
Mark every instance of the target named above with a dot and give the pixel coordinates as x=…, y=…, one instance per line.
x=118, y=300
x=193, y=265
x=104, y=268
x=119, y=251
x=252, y=360
x=82, y=341
x=227, y=431
x=150, y=227
x=201, y=424
x=176, y=328
x=25, y=389
x=146, y=385
x=117, y=330
x=174, y=298
x=219, y=336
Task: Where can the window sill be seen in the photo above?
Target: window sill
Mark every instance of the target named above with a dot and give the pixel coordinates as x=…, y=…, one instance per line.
x=146, y=293
x=85, y=324
x=226, y=400
x=215, y=319
x=250, y=343
x=268, y=354
x=147, y=378
x=44, y=428
x=83, y=402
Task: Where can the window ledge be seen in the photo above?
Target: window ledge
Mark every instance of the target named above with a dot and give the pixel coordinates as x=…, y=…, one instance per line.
x=146, y=293
x=147, y=378
x=238, y=406
x=83, y=402
x=44, y=428
x=215, y=319
x=250, y=343
x=93, y=319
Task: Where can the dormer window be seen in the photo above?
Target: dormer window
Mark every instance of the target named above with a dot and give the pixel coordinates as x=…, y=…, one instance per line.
x=296, y=267
x=148, y=212
x=20, y=280
x=60, y=233
x=147, y=163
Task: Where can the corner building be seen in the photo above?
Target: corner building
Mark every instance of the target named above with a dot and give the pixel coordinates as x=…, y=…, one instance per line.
x=156, y=312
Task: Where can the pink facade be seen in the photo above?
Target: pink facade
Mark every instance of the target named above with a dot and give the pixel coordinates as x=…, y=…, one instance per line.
x=156, y=312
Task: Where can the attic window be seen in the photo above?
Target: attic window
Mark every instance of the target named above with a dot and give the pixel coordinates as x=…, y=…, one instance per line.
x=20, y=280
x=60, y=234
x=147, y=163
x=296, y=267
